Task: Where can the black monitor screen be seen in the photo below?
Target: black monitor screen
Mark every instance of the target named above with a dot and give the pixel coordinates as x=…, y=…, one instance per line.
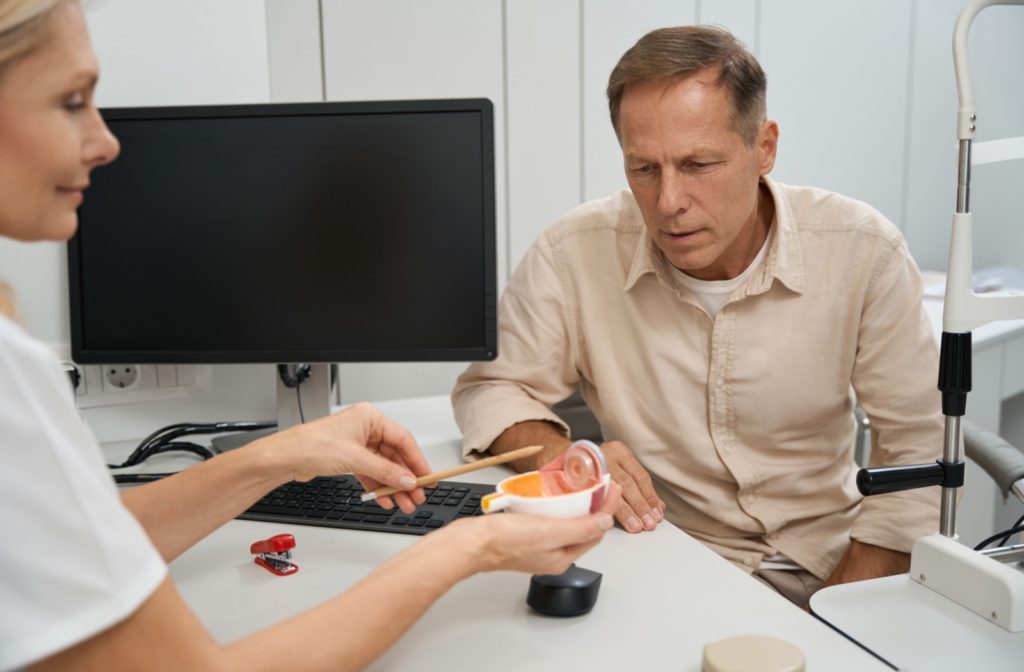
x=288, y=233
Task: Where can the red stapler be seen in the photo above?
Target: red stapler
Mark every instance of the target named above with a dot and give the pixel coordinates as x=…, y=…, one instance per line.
x=275, y=554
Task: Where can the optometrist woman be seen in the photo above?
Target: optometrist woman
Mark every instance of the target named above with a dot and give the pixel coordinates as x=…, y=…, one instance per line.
x=84, y=582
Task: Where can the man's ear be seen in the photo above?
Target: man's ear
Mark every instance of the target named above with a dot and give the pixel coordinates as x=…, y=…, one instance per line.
x=767, y=145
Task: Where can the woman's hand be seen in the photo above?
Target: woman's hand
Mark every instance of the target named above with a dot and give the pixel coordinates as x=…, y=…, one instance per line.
x=533, y=544
x=358, y=440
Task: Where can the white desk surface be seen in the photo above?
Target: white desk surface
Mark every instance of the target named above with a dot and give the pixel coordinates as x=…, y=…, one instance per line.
x=915, y=628
x=663, y=595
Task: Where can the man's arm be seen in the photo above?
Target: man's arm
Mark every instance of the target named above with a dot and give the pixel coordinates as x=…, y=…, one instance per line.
x=531, y=433
x=864, y=561
x=894, y=380
x=641, y=508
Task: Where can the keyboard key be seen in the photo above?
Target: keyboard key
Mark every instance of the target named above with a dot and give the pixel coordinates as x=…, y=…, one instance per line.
x=434, y=523
x=286, y=511
x=417, y=522
x=424, y=514
x=400, y=520
x=375, y=518
x=352, y=515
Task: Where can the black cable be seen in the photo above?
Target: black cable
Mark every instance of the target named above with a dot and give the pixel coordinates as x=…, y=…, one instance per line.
x=164, y=439
x=122, y=479
x=295, y=380
x=1006, y=534
x=1002, y=542
x=171, y=446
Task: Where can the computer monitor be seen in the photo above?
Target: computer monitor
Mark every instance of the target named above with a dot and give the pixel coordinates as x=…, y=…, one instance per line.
x=283, y=233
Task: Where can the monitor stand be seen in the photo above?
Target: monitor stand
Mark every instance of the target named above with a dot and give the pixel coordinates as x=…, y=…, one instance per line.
x=316, y=403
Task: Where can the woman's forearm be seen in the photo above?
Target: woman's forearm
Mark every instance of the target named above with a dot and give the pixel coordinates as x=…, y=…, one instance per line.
x=353, y=629
x=178, y=511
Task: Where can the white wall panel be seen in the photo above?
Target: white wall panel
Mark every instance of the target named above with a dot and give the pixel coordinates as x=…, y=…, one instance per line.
x=187, y=52
x=397, y=49
x=393, y=49
x=543, y=104
x=739, y=17
x=610, y=27
x=930, y=194
x=837, y=80
x=293, y=45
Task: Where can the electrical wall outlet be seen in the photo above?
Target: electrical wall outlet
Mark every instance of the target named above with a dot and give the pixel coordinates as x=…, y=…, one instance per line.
x=115, y=384
x=120, y=377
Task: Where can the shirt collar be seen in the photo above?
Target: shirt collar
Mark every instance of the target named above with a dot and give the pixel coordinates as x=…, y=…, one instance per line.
x=783, y=261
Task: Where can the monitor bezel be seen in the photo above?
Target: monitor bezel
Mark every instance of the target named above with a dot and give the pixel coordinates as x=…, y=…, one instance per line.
x=487, y=351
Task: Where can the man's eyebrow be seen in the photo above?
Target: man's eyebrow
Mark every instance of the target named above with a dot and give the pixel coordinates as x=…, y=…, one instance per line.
x=704, y=152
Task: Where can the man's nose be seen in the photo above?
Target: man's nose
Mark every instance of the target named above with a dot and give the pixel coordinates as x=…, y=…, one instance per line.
x=673, y=193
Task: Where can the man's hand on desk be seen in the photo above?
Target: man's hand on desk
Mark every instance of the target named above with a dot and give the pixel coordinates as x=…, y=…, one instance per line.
x=864, y=561
x=641, y=508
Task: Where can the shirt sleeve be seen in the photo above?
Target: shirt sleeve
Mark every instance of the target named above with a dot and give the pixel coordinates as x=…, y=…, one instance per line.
x=894, y=377
x=535, y=367
x=75, y=561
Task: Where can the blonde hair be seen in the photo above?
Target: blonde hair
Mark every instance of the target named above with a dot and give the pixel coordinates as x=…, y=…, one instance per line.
x=22, y=26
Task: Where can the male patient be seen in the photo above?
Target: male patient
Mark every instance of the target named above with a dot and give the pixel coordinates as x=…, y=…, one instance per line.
x=720, y=326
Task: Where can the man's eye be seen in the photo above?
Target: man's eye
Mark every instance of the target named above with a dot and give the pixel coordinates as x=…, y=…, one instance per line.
x=644, y=169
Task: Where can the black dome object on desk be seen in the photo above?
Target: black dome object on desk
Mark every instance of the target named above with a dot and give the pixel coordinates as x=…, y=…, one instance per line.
x=572, y=593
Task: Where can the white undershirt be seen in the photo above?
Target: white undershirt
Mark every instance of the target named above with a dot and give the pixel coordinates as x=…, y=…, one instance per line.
x=713, y=294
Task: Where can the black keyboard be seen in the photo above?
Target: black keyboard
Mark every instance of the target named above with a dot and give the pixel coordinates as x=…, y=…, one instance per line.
x=334, y=502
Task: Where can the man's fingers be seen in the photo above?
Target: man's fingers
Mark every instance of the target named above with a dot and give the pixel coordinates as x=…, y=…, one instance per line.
x=638, y=493
x=643, y=481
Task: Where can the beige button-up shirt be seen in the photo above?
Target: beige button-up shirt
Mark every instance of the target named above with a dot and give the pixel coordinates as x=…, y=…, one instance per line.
x=744, y=421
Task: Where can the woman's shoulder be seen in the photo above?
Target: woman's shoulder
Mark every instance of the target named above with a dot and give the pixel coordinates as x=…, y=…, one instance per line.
x=19, y=349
